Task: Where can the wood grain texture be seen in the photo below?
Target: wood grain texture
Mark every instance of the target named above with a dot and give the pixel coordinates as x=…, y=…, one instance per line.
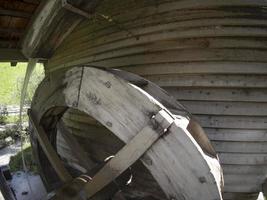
x=210, y=55
x=116, y=104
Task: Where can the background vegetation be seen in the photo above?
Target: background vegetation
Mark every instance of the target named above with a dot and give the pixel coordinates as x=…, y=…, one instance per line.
x=11, y=80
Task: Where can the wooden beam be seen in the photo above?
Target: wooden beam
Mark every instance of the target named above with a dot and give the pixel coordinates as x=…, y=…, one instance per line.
x=32, y=1
x=130, y=153
x=14, y=13
x=264, y=188
x=11, y=30
x=49, y=27
x=49, y=150
x=7, y=55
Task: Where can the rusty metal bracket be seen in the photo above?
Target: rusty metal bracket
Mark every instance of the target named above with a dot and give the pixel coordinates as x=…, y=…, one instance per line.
x=130, y=153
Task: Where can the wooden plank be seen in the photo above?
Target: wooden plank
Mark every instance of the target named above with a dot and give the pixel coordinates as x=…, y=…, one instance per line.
x=18, y=31
x=7, y=55
x=49, y=151
x=75, y=147
x=240, y=147
x=243, y=183
x=239, y=122
x=5, y=189
x=259, y=170
x=106, y=47
x=130, y=153
x=119, y=49
x=88, y=32
x=237, y=135
x=240, y=196
x=49, y=27
x=184, y=55
x=14, y=13
x=243, y=159
x=218, y=94
x=111, y=36
x=198, y=68
x=226, y=108
x=229, y=81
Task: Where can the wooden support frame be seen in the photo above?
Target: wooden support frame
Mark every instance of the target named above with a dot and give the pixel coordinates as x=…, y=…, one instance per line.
x=49, y=151
x=130, y=153
x=98, y=93
x=51, y=24
x=7, y=55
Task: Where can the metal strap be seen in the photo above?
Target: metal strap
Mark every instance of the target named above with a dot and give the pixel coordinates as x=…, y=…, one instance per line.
x=130, y=153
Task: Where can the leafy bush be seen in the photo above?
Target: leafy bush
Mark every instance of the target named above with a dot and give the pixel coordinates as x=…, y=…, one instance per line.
x=3, y=114
x=16, y=164
x=10, y=132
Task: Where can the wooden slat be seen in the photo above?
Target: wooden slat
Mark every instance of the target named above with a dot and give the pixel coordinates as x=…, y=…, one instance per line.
x=14, y=13
x=240, y=196
x=237, y=135
x=239, y=122
x=240, y=147
x=226, y=108
x=229, y=81
x=18, y=31
x=243, y=159
x=184, y=55
x=218, y=94
x=7, y=55
x=259, y=170
x=152, y=38
x=49, y=151
x=75, y=147
x=198, y=68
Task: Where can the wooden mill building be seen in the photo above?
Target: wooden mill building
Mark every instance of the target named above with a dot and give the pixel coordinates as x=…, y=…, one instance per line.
x=210, y=55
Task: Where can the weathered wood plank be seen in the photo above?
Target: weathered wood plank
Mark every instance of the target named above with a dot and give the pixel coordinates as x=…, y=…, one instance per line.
x=239, y=122
x=130, y=153
x=240, y=147
x=243, y=183
x=237, y=135
x=75, y=147
x=229, y=81
x=226, y=108
x=7, y=55
x=243, y=159
x=184, y=55
x=258, y=170
x=49, y=27
x=198, y=68
x=14, y=13
x=49, y=151
x=240, y=196
x=109, y=35
x=218, y=94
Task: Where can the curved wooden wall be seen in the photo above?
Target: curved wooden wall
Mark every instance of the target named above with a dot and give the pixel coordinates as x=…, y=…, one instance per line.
x=211, y=55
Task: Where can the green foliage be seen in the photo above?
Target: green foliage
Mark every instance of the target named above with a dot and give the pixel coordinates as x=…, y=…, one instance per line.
x=10, y=132
x=3, y=114
x=16, y=164
x=11, y=80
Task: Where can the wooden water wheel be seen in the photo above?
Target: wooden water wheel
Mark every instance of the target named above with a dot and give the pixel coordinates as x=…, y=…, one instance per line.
x=131, y=137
